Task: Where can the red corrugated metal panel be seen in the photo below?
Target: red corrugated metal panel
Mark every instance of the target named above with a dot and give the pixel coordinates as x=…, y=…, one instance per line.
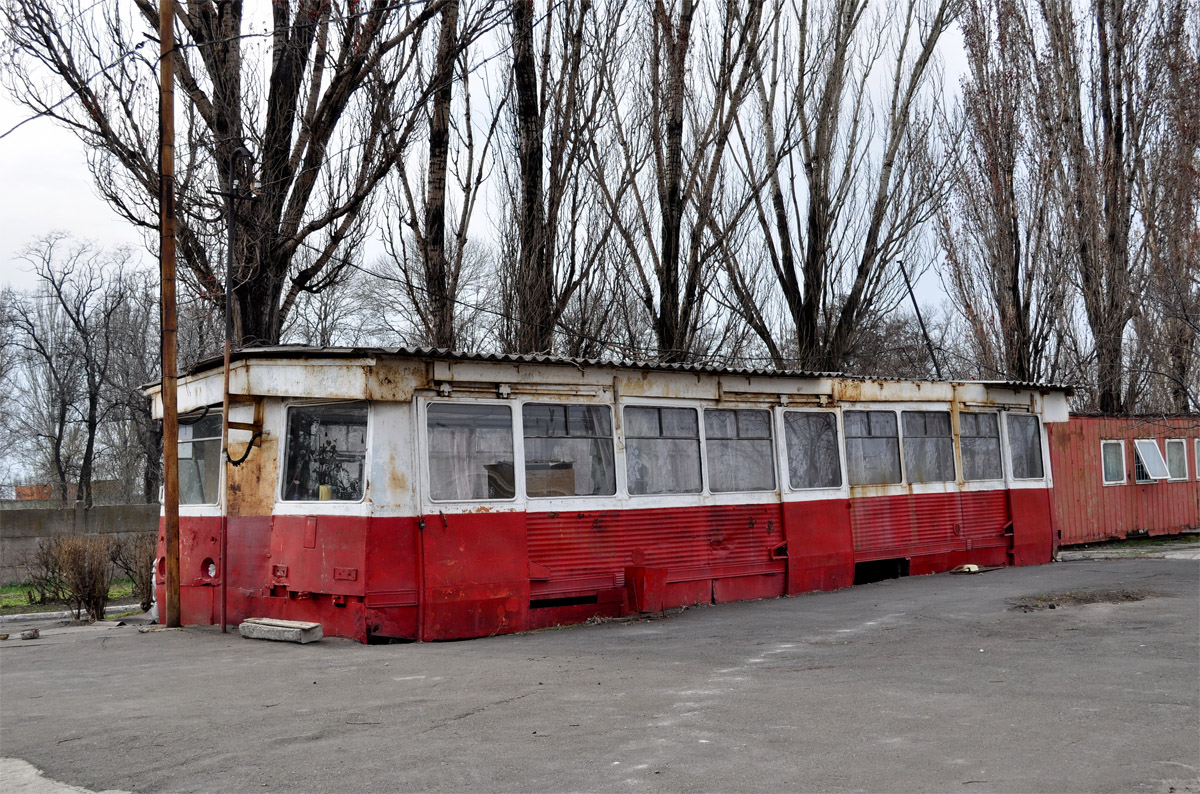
x=985, y=515
x=911, y=525
x=588, y=551
x=1086, y=510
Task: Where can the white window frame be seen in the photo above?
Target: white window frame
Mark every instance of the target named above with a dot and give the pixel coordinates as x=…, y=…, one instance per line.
x=708, y=489
x=876, y=408
x=1137, y=451
x=650, y=402
x=1042, y=449
x=954, y=452
x=1001, y=439
x=612, y=419
x=783, y=465
x=281, y=475
x=518, y=442
x=202, y=508
x=1167, y=458
x=1124, y=471
x=1196, y=458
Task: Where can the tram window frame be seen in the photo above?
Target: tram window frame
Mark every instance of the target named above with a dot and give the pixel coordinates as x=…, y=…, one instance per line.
x=1196, y=457
x=965, y=435
x=1015, y=459
x=363, y=456
x=795, y=449
x=490, y=478
x=1182, y=446
x=1106, y=444
x=607, y=452
x=634, y=449
x=940, y=447
x=855, y=445
x=209, y=421
x=743, y=464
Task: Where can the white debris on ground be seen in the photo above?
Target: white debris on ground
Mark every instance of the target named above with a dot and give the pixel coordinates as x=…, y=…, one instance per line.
x=22, y=777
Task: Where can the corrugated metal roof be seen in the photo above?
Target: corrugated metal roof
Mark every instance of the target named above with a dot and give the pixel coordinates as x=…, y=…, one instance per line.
x=303, y=351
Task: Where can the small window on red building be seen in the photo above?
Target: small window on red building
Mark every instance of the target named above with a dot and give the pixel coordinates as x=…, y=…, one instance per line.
x=1113, y=455
x=1176, y=459
x=1149, y=465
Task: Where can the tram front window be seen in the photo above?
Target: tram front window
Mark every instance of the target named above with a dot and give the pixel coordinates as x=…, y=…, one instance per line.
x=200, y=459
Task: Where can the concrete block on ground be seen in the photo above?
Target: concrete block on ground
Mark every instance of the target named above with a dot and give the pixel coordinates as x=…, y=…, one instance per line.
x=280, y=630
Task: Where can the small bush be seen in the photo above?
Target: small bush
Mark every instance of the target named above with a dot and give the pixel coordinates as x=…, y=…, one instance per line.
x=75, y=570
x=87, y=568
x=44, y=582
x=135, y=555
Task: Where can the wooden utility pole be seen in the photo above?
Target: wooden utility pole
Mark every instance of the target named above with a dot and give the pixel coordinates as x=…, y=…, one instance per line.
x=166, y=197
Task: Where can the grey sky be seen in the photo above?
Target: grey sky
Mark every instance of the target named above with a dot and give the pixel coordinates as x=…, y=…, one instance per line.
x=45, y=186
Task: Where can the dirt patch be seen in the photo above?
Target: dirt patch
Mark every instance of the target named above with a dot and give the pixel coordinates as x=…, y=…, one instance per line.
x=1075, y=598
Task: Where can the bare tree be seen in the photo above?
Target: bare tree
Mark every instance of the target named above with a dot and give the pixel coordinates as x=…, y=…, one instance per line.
x=1167, y=320
x=429, y=247
x=999, y=231
x=1096, y=91
x=130, y=437
x=68, y=334
x=554, y=238
x=332, y=317
x=325, y=98
x=672, y=98
x=842, y=168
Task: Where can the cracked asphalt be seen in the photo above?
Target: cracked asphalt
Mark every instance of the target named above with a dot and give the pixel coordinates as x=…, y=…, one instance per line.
x=935, y=683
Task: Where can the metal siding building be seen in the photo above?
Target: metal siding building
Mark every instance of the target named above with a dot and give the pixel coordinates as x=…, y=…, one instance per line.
x=1087, y=509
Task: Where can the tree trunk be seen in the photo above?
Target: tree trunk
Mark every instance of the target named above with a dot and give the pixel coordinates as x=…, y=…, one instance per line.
x=675, y=41
x=535, y=270
x=437, y=275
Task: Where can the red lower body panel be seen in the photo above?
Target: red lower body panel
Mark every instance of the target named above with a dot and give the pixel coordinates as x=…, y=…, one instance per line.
x=476, y=574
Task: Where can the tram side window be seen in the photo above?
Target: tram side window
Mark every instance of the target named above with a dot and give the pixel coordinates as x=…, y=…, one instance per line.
x=979, y=442
x=662, y=450
x=470, y=451
x=568, y=450
x=812, y=449
x=928, y=446
x=872, y=447
x=326, y=452
x=200, y=459
x=738, y=446
x=1025, y=447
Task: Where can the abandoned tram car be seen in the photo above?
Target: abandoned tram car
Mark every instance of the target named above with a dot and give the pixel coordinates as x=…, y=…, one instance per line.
x=432, y=496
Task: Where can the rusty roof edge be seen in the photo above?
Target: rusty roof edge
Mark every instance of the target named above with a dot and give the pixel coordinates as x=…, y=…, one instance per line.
x=305, y=351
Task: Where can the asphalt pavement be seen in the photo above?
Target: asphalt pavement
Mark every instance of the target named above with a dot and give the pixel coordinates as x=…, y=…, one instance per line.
x=1077, y=676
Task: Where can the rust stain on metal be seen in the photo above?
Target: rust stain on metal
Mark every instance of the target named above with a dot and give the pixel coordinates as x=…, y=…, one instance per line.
x=251, y=486
x=391, y=382
x=397, y=482
x=847, y=391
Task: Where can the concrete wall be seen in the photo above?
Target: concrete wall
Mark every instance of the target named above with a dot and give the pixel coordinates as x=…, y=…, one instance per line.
x=20, y=530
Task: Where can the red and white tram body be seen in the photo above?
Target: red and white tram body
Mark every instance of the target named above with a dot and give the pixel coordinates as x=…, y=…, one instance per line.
x=426, y=495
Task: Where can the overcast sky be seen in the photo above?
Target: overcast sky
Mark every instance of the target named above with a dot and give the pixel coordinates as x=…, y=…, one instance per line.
x=45, y=186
